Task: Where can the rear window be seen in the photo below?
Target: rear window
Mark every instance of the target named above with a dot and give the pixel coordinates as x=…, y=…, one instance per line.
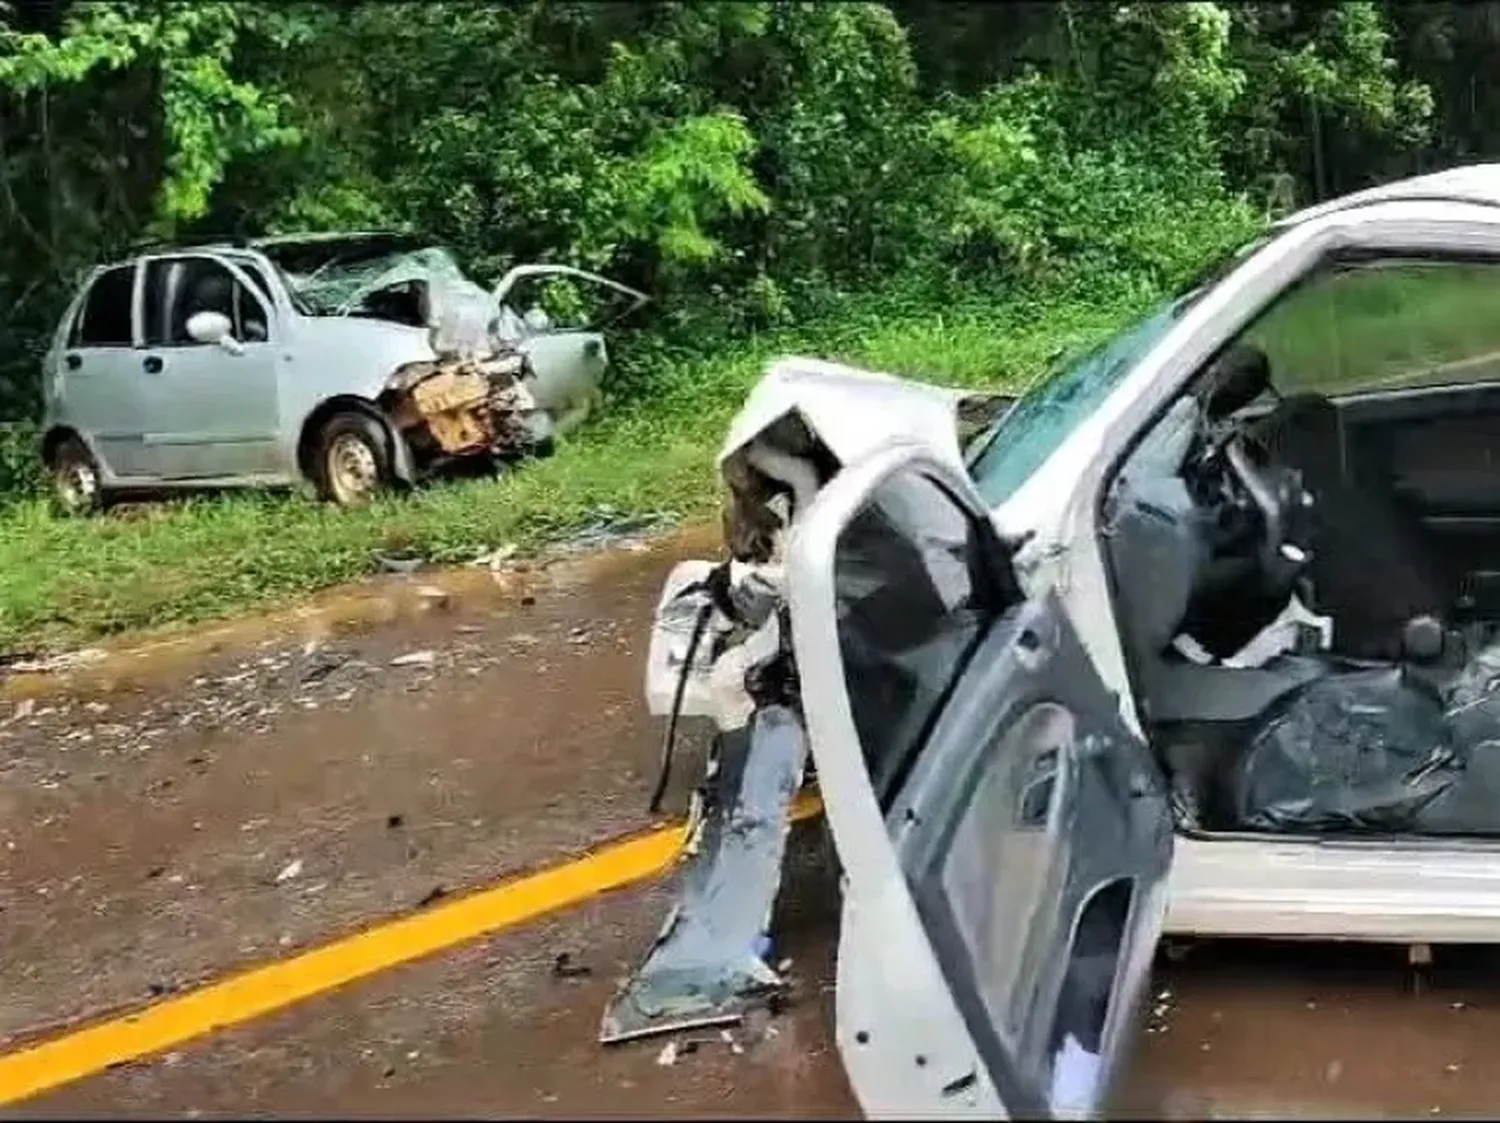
x=916, y=588
x=104, y=317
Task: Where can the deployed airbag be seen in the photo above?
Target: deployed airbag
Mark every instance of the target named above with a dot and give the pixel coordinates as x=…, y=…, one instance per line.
x=1379, y=750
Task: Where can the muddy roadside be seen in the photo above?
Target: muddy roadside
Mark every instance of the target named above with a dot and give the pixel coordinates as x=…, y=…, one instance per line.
x=186, y=807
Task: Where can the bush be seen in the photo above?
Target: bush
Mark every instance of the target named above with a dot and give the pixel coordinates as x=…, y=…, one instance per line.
x=21, y=475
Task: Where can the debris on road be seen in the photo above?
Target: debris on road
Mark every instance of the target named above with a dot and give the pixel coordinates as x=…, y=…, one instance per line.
x=52, y=664
x=415, y=659
x=400, y=561
x=705, y=968
x=497, y=557
x=290, y=870
x=563, y=967
x=608, y=527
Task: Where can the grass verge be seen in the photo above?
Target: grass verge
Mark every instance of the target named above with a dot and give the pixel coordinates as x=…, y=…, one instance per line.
x=68, y=581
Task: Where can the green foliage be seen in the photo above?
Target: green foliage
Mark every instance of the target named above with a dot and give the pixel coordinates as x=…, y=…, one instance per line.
x=749, y=164
x=64, y=581
x=21, y=474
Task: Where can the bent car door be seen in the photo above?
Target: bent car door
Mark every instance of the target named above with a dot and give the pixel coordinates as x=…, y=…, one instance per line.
x=568, y=360
x=1004, y=837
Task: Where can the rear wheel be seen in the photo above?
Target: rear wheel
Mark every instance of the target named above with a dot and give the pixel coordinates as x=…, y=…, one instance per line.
x=354, y=460
x=76, y=487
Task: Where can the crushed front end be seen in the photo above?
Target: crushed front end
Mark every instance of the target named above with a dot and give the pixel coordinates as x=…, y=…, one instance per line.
x=474, y=398
x=462, y=406
x=721, y=649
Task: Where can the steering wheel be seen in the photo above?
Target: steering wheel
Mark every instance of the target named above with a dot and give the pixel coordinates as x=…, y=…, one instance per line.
x=1278, y=496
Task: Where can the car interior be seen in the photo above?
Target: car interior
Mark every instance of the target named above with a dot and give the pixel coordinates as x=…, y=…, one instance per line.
x=1305, y=560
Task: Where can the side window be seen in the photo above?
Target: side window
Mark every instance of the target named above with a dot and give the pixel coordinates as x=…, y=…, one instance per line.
x=915, y=589
x=251, y=315
x=104, y=317
x=1385, y=325
x=253, y=271
x=177, y=288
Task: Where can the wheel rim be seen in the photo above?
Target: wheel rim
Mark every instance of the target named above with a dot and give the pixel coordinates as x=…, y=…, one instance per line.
x=352, y=471
x=77, y=485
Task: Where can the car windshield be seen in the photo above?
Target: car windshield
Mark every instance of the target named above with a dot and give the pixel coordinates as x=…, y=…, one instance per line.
x=1001, y=459
x=1032, y=429
x=327, y=278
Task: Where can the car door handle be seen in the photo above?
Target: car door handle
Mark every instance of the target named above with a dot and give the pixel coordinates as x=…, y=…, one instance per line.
x=74, y=361
x=152, y=363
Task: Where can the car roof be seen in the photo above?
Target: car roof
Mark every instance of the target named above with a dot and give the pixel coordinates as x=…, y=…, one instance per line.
x=388, y=240
x=1468, y=183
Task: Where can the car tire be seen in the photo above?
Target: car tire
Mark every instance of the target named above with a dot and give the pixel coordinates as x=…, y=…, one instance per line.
x=354, y=461
x=77, y=489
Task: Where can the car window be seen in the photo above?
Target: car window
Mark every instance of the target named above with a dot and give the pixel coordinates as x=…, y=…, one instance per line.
x=177, y=288
x=915, y=589
x=1382, y=325
x=104, y=317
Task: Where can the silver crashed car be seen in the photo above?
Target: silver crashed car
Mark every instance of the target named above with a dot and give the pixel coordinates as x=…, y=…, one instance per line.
x=351, y=361
x=1199, y=637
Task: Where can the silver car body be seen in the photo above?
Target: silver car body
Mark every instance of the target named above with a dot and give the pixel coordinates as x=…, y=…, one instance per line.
x=197, y=414
x=932, y=1020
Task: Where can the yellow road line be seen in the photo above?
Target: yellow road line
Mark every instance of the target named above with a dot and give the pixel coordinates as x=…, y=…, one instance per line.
x=262, y=990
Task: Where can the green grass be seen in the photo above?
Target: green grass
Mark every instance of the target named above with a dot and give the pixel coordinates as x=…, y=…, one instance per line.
x=65, y=581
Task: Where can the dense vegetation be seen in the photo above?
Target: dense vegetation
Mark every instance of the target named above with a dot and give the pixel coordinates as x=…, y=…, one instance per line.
x=951, y=190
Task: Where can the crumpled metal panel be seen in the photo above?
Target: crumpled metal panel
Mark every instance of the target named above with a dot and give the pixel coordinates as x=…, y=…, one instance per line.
x=706, y=968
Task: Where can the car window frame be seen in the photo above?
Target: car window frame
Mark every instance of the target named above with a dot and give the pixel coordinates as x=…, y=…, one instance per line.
x=73, y=338
x=237, y=274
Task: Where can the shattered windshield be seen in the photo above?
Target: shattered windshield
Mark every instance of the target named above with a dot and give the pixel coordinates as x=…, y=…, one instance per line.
x=330, y=281
x=1029, y=433
x=1024, y=437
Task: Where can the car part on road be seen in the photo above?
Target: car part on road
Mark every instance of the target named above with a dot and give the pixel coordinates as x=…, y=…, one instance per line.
x=719, y=650
x=706, y=966
x=669, y=738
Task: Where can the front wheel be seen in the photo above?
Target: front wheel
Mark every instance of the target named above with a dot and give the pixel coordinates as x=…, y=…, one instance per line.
x=354, y=461
x=76, y=489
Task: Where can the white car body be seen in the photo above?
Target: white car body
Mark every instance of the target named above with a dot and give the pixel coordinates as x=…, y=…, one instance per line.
x=922, y=1030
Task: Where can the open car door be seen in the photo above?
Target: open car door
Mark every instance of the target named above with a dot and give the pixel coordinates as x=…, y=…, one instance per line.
x=568, y=362
x=1004, y=838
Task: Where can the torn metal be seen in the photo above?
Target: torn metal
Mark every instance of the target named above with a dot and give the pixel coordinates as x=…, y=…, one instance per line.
x=462, y=406
x=719, y=649
x=706, y=966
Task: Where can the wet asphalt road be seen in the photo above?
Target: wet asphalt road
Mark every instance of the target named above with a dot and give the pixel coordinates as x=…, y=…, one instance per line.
x=142, y=832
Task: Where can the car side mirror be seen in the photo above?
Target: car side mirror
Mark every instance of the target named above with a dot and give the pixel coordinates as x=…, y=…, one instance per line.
x=537, y=320
x=215, y=328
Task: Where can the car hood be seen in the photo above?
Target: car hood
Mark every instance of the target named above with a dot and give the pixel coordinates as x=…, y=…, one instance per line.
x=852, y=411
x=366, y=350
x=803, y=411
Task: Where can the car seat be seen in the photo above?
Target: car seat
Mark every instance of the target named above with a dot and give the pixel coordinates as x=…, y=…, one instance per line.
x=1373, y=569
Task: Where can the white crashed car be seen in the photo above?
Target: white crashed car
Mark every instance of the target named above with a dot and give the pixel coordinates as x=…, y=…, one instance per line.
x=1196, y=638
